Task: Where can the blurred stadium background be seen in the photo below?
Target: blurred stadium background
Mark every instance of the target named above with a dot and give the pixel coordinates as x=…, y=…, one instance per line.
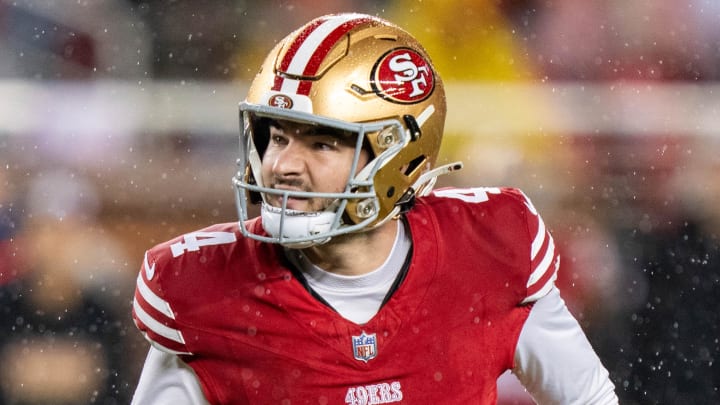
x=118, y=130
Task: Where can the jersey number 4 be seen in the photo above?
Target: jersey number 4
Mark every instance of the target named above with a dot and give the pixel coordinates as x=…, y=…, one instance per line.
x=193, y=241
x=471, y=195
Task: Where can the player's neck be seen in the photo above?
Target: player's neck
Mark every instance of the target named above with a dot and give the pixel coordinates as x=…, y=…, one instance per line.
x=355, y=254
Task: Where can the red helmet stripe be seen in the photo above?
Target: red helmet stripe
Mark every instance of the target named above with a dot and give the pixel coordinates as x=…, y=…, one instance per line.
x=299, y=40
x=292, y=50
x=323, y=50
x=310, y=48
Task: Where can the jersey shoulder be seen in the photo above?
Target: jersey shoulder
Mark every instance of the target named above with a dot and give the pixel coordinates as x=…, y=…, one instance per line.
x=183, y=273
x=510, y=217
x=489, y=203
x=181, y=258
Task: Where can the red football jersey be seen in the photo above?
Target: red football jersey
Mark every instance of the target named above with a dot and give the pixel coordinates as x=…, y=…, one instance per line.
x=231, y=308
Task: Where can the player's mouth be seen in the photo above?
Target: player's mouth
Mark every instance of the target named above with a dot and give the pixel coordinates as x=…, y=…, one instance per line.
x=293, y=202
x=298, y=204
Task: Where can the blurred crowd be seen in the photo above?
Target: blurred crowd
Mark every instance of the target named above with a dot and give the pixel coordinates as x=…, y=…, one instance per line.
x=634, y=214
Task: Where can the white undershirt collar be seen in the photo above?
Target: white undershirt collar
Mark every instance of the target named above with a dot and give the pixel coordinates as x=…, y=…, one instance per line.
x=356, y=298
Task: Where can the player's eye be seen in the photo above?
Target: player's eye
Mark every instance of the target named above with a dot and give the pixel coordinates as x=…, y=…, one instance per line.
x=327, y=144
x=278, y=139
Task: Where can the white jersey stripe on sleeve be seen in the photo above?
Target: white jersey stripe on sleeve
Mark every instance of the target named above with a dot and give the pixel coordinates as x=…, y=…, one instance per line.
x=156, y=302
x=545, y=288
x=544, y=264
x=165, y=349
x=155, y=326
x=539, y=239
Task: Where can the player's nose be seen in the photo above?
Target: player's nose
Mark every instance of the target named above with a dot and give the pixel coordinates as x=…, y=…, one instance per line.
x=292, y=160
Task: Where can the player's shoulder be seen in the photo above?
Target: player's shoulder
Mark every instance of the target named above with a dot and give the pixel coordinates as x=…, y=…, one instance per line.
x=208, y=238
x=501, y=210
x=505, y=217
x=174, y=276
x=212, y=249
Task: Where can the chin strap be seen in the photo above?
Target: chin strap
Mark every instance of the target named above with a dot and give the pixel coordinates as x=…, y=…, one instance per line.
x=425, y=183
x=293, y=224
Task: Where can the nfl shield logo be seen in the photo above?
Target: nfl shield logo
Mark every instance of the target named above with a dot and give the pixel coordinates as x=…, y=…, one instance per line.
x=364, y=347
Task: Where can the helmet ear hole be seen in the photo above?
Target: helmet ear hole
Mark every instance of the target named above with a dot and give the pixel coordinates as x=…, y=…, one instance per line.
x=408, y=169
x=412, y=126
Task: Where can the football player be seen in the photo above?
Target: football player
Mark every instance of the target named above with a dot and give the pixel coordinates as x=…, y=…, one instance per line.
x=358, y=284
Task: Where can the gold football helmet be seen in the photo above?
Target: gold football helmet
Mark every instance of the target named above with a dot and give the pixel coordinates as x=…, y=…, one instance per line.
x=362, y=75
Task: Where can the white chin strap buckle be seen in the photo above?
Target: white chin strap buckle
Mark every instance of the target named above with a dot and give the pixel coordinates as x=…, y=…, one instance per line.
x=298, y=227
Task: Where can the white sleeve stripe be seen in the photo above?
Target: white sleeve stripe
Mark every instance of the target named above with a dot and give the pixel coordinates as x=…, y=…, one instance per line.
x=152, y=299
x=541, y=292
x=539, y=239
x=163, y=348
x=544, y=265
x=155, y=326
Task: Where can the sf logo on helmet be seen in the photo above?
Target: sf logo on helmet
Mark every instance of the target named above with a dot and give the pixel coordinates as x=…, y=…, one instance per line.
x=280, y=101
x=403, y=76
